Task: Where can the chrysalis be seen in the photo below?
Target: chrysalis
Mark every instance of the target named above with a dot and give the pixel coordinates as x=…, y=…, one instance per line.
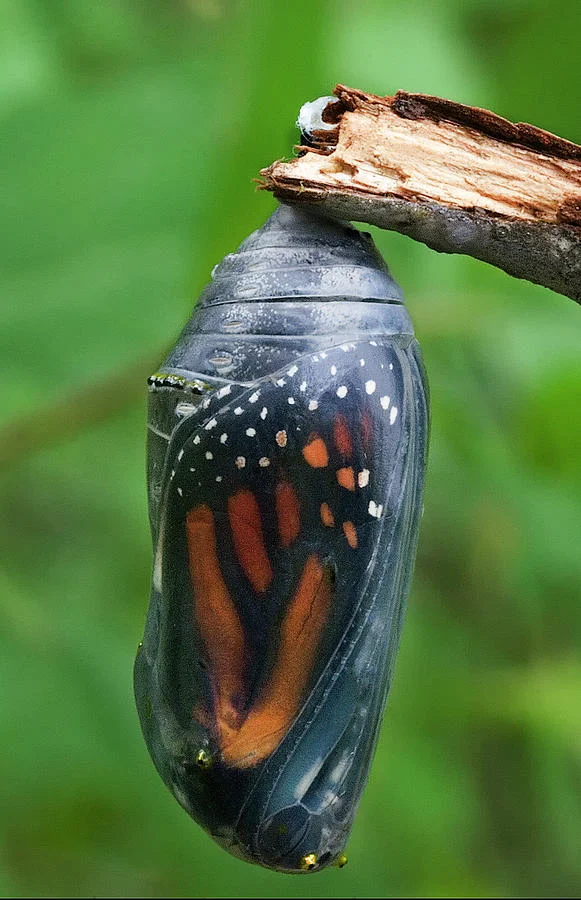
x=287, y=450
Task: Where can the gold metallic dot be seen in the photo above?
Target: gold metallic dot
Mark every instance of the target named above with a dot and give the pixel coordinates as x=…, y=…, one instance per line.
x=341, y=861
x=203, y=759
x=308, y=862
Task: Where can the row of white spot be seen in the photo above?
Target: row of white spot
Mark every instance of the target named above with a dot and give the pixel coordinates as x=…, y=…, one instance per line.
x=341, y=392
x=385, y=401
x=374, y=509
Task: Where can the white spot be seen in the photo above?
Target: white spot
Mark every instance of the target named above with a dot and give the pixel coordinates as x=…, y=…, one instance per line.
x=173, y=471
x=254, y=397
x=313, y=405
x=333, y=370
x=370, y=386
x=363, y=478
x=374, y=510
x=218, y=478
x=345, y=348
x=197, y=439
x=223, y=391
x=192, y=470
x=281, y=382
x=211, y=424
x=385, y=401
x=373, y=343
x=316, y=358
x=180, y=454
x=324, y=355
x=240, y=462
x=238, y=411
x=223, y=438
x=251, y=432
x=263, y=462
x=293, y=370
x=291, y=400
x=391, y=365
x=303, y=386
x=361, y=362
x=209, y=454
x=263, y=413
x=342, y=391
x=180, y=492
x=393, y=415
x=206, y=403
x=281, y=438
x=381, y=366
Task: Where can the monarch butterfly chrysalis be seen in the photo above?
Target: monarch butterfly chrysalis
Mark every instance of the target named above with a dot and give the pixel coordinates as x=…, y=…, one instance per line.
x=287, y=450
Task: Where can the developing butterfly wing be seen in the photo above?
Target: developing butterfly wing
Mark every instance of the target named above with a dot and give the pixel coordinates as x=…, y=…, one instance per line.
x=290, y=517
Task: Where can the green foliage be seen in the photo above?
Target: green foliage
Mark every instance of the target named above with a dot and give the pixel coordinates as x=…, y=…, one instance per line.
x=131, y=134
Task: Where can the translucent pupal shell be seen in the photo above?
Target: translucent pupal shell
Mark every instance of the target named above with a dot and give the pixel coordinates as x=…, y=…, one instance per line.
x=287, y=450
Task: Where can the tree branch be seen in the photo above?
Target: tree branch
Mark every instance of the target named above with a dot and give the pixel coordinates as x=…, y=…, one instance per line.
x=457, y=178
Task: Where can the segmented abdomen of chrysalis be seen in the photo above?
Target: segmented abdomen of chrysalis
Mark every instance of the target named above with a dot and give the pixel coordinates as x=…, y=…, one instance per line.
x=286, y=457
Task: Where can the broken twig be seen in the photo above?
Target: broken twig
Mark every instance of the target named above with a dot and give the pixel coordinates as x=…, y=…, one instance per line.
x=458, y=178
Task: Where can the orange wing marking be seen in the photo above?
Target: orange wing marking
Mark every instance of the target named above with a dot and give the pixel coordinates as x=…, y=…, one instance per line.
x=217, y=620
x=315, y=451
x=327, y=517
x=350, y=534
x=248, y=538
x=346, y=478
x=247, y=739
x=342, y=437
x=288, y=513
x=279, y=701
x=367, y=431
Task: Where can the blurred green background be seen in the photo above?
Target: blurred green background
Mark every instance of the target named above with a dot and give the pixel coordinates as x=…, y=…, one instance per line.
x=131, y=132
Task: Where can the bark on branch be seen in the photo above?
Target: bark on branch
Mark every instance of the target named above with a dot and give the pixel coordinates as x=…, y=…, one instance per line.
x=457, y=178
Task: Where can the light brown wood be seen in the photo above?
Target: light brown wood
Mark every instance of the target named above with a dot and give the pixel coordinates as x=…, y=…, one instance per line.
x=458, y=178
